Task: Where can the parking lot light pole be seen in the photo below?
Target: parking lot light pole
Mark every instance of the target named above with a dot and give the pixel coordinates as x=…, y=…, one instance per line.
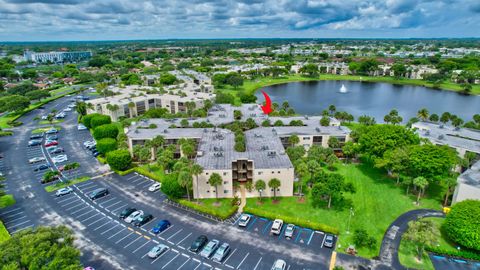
x=349, y=219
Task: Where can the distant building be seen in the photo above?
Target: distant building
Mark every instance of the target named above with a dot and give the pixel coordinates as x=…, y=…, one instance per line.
x=468, y=186
x=56, y=57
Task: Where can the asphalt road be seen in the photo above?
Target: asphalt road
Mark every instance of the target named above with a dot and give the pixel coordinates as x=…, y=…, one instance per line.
x=110, y=243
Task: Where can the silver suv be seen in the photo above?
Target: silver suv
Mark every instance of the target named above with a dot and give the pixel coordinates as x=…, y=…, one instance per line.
x=277, y=226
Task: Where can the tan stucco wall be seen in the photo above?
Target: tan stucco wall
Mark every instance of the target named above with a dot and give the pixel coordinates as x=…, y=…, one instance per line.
x=465, y=192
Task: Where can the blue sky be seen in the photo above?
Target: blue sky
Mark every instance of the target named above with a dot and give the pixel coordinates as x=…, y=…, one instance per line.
x=31, y=20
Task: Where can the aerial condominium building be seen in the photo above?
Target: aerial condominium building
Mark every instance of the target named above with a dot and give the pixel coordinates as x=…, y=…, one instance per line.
x=462, y=140
x=56, y=57
x=134, y=100
x=264, y=157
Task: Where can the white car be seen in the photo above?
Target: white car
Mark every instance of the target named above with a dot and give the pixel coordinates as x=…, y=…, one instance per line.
x=60, y=158
x=277, y=226
x=63, y=191
x=134, y=216
x=210, y=249
x=244, y=220
x=89, y=143
x=81, y=127
x=279, y=265
x=155, y=187
x=68, y=109
x=289, y=231
x=157, y=251
x=45, y=117
x=35, y=160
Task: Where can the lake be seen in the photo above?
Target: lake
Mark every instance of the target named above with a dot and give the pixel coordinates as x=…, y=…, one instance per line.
x=373, y=99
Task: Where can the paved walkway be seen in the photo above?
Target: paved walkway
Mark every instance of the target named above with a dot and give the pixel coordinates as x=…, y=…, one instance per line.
x=243, y=198
x=393, y=236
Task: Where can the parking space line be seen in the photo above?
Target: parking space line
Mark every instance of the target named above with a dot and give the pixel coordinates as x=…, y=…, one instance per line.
x=85, y=213
x=18, y=224
x=12, y=220
x=231, y=253
x=178, y=244
x=109, y=229
x=140, y=247
x=29, y=226
x=258, y=263
x=74, y=201
x=13, y=215
x=323, y=242
x=102, y=226
x=282, y=231
x=67, y=199
x=238, y=266
x=251, y=224
x=174, y=234
x=90, y=217
x=124, y=238
x=77, y=205
x=184, y=263
x=113, y=204
x=266, y=227
x=76, y=211
x=133, y=241
x=166, y=230
x=165, y=265
x=116, y=233
x=13, y=210
x=115, y=210
x=310, y=239
x=84, y=184
x=95, y=221
x=106, y=201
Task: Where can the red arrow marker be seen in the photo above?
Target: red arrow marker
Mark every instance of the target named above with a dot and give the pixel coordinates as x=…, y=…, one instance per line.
x=267, y=108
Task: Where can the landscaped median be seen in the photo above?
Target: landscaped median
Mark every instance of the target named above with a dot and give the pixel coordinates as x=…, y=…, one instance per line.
x=221, y=208
x=67, y=183
x=45, y=129
x=293, y=220
x=7, y=200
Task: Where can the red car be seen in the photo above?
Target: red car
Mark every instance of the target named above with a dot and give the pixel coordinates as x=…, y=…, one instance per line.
x=52, y=143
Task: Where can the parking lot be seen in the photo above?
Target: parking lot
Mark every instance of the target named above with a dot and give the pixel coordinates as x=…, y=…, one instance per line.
x=15, y=219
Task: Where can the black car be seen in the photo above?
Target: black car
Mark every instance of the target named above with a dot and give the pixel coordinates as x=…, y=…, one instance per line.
x=36, y=136
x=41, y=167
x=126, y=212
x=57, y=150
x=142, y=220
x=98, y=193
x=198, y=244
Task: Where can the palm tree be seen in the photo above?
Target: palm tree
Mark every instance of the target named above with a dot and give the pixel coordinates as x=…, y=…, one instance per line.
x=196, y=170
x=274, y=183
x=301, y=170
x=260, y=186
x=332, y=109
x=185, y=180
x=423, y=114
x=422, y=183
x=215, y=180
x=293, y=140
x=449, y=183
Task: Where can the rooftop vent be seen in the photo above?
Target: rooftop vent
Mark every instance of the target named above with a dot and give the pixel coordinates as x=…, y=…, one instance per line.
x=199, y=153
x=441, y=126
x=218, y=154
x=457, y=128
x=165, y=131
x=427, y=133
x=317, y=129
x=441, y=137
x=264, y=147
x=271, y=153
x=306, y=117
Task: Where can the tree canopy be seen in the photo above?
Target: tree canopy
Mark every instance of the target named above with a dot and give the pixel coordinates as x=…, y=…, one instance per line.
x=462, y=224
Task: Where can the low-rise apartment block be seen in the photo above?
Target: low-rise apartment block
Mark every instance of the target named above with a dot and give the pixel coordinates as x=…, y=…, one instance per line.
x=264, y=157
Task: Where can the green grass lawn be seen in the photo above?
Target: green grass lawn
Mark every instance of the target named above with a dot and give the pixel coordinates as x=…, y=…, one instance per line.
x=44, y=129
x=7, y=200
x=46, y=122
x=4, y=235
x=408, y=257
x=152, y=171
x=377, y=203
x=407, y=253
x=60, y=185
x=221, y=208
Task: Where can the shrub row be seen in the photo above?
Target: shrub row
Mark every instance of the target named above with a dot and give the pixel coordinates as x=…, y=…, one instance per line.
x=464, y=254
x=294, y=220
x=208, y=210
x=148, y=174
x=123, y=173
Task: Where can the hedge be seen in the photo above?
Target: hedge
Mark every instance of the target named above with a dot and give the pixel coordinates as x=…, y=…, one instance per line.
x=123, y=173
x=294, y=220
x=148, y=174
x=208, y=210
x=462, y=225
x=99, y=120
x=105, y=131
x=119, y=159
x=106, y=145
x=464, y=254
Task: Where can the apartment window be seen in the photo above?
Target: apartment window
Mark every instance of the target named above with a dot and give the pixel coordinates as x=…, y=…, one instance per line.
x=260, y=173
x=306, y=138
x=273, y=172
x=208, y=191
x=206, y=173
x=225, y=182
x=224, y=173
x=278, y=172
x=225, y=191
